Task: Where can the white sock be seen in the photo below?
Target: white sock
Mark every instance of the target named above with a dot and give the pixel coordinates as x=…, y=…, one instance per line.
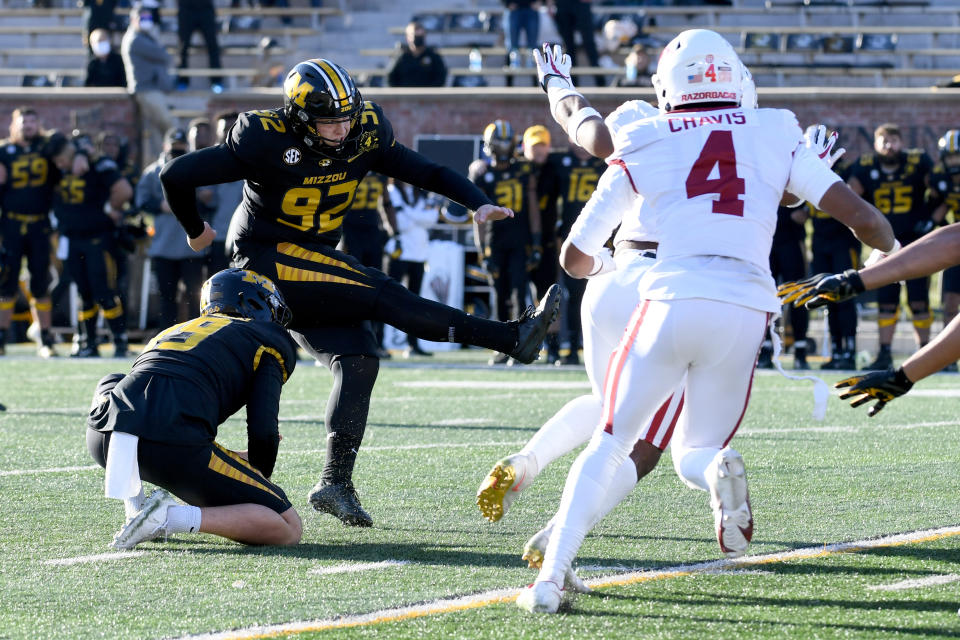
x=132, y=505
x=691, y=465
x=623, y=482
x=182, y=519
x=569, y=428
x=583, y=497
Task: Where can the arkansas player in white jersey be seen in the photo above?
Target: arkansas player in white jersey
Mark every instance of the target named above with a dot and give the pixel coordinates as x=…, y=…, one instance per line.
x=608, y=303
x=713, y=174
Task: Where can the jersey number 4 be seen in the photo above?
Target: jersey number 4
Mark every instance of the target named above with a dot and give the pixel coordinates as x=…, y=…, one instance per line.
x=715, y=171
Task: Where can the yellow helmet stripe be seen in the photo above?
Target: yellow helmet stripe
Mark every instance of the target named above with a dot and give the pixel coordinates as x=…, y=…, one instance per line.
x=323, y=76
x=334, y=77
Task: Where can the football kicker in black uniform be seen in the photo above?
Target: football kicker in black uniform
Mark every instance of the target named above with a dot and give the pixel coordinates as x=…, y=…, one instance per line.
x=302, y=164
x=161, y=420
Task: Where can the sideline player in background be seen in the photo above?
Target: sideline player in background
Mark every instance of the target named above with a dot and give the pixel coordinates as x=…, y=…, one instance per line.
x=509, y=248
x=302, y=164
x=27, y=181
x=713, y=173
x=944, y=201
x=160, y=421
x=89, y=210
x=364, y=236
x=895, y=181
x=933, y=252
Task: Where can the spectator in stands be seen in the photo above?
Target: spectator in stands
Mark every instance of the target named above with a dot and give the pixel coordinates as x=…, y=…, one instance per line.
x=97, y=14
x=636, y=68
x=270, y=70
x=105, y=67
x=520, y=15
x=146, y=62
x=172, y=259
x=417, y=65
x=409, y=241
x=200, y=136
x=229, y=195
x=571, y=17
x=198, y=15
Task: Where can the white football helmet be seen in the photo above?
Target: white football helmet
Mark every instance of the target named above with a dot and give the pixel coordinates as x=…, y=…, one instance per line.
x=698, y=66
x=748, y=99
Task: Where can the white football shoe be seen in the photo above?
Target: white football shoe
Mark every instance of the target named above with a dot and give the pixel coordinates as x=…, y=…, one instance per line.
x=148, y=523
x=503, y=484
x=727, y=478
x=540, y=597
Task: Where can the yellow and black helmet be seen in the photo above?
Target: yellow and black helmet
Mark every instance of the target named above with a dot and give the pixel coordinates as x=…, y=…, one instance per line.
x=319, y=90
x=950, y=142
x=243, y=294
x=499, y=140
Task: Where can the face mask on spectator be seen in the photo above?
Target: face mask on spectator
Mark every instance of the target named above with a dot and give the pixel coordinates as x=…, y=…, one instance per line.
x=101, y=48
x=419, y=41
x=146, y=23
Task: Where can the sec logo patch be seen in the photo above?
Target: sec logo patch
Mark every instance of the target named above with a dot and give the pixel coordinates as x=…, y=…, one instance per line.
x=292, y=155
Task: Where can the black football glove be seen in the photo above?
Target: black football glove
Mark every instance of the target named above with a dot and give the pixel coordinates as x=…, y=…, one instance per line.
x=882, y=386
x=822, y=289
x=397, y=249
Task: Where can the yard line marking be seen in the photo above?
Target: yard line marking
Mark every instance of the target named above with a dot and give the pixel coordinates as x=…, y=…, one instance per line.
x=98, y=557
x=24, y=472
x=531, y=385
x=916, y=583
x=353, y=567
x=404, y=447
x=455, y=422
x=500, y=596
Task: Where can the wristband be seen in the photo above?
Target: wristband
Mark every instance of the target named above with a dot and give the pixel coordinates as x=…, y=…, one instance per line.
x=602, y=263
x=556, y=94
x=577, y=119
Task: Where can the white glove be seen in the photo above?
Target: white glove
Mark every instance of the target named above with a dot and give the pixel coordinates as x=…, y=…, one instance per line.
x=553, y=68
x=602, y=263
x=820, y=143
x=876, y=255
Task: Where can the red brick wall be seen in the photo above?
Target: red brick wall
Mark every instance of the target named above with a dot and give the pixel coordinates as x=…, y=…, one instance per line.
x=922, y=114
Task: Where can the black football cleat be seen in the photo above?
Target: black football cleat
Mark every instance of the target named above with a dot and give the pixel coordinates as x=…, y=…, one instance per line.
x=533, y=325
x=340, y=500
x=883, y=362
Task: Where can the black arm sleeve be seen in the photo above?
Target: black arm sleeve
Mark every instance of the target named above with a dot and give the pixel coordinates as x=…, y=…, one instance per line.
x=263, y=433
x=409, y=166
x=180, y=179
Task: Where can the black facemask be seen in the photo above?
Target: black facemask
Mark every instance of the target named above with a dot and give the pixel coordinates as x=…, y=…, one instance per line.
x=175, y=153
x=419, y=41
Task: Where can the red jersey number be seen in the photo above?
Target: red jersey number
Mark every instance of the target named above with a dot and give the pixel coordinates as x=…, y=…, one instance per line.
x=718, y=152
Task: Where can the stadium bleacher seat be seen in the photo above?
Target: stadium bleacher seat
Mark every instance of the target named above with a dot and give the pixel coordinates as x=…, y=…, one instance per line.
x=761, y=41
x=431, y=21
x=876, y=42
x=839, y=44
x=803, y=42
x=465, y=22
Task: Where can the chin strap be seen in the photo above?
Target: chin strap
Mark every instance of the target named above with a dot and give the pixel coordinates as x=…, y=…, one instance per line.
x=820, y=389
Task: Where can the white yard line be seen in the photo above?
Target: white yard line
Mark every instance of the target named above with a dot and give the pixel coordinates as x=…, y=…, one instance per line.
x=354, y=567
x=495, y=384
x=497, y=596
x=97, y=557
x=917, y=583
x=26, y=472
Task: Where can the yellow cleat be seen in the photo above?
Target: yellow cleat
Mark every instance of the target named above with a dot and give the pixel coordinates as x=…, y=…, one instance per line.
x=492, y=494
x=536, y=547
